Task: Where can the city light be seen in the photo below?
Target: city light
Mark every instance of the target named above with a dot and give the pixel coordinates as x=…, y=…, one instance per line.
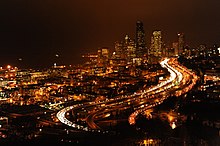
x=114, y=92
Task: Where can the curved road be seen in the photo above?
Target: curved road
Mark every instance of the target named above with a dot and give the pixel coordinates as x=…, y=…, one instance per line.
x=181, y=80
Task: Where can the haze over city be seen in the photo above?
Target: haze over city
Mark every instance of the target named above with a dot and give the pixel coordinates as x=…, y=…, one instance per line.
x=113, y=73
x=33, y=32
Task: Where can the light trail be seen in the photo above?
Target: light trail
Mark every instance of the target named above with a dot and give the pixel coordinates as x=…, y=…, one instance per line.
x=175, y=75
x=142, y=96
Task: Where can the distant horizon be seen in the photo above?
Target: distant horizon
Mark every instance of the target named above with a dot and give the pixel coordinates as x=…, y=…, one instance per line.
x=50, y=60
x=37, y=30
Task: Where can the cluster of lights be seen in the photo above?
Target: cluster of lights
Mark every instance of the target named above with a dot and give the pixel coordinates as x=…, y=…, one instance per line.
x=187, y=73
x=61, y=116
x=175, y=75
x=213, y=78
x=53, y=106
x=63, y=119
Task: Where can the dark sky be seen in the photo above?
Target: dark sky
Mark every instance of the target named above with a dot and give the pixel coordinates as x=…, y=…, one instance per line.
x=36, y=30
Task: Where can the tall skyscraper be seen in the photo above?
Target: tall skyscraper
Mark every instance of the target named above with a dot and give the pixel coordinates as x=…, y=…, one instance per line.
x=140, y=40
x=155, y=51
x=119, y=50
x=175, y=46
x=103, y=56
x=129, y=48
x=181, y=43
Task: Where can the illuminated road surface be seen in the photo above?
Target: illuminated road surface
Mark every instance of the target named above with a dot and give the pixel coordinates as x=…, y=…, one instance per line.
x=180, y=78
x=178, y=74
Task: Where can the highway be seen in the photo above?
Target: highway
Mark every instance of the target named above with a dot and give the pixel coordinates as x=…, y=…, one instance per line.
x=180, y=81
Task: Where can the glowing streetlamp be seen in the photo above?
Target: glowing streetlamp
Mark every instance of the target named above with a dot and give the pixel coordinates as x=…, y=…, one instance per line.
x=8, y=66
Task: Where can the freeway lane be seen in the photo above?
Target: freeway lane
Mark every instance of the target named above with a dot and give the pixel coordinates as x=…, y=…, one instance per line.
x=183, y=75
x=140, y=100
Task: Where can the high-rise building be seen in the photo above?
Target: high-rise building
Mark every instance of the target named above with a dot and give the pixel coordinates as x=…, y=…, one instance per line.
x=103, y=56
x=119, y=50
x=129, y=48
x=125, y=50
x=181, y=43
x=91, y=59
x=175, y=46
x=155, y=51
x=140, y=40
x=119, y=55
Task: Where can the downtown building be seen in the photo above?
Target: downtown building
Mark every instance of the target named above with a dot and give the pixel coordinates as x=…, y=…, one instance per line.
x=129, y=47
x=103, y=56
x=181, y=44
x=155, y=53
x=140, y=43
x=179, y=48
x=124, y=53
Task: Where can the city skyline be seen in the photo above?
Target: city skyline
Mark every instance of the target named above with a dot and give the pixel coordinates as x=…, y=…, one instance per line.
x=112, y=73
x=32, y=33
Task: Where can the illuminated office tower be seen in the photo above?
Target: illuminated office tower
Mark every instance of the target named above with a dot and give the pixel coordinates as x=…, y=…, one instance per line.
x=155, y=51
x=140, y=40
x=119, y=50
x=129, y=48
x=118, y=57
x=202, y=50
x=181, y=43
x=103, y=56
x=91, y=59
x=175, y=46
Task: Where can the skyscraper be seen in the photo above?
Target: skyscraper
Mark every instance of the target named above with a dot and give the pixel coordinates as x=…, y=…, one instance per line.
x=155, y=51
x=129, y=48
x=125, y=50
x=140, y=40
x=175, y=46
x=119, y=50
x=103, y=56
x=181, y=42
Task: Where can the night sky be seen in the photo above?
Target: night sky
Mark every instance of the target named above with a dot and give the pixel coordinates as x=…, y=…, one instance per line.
x=37, y=30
